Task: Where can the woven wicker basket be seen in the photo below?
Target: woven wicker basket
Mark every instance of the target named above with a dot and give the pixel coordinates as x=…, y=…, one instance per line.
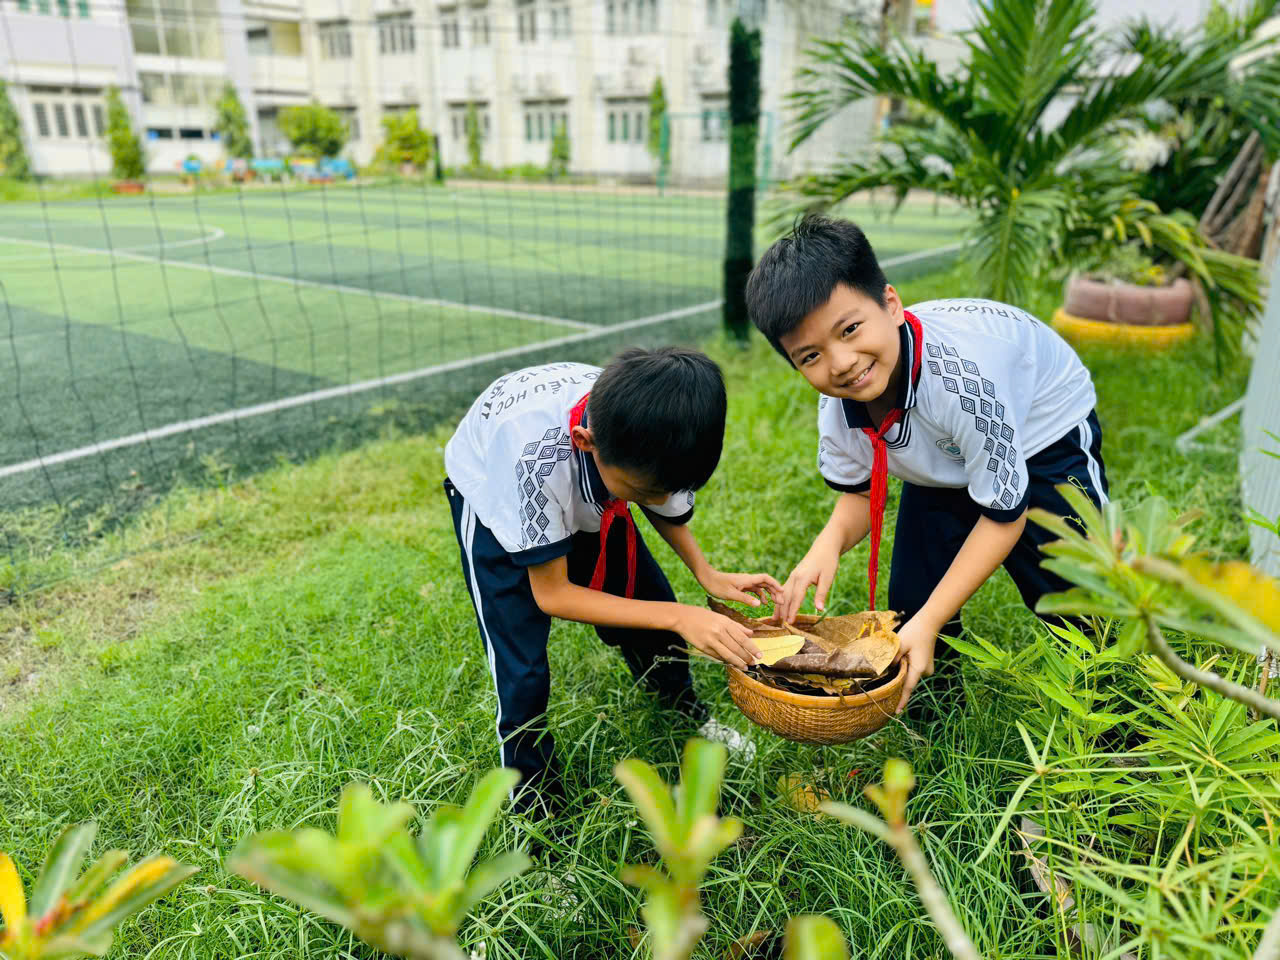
x=806, y=719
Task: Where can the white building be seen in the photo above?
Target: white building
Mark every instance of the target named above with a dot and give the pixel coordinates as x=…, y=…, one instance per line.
x=528, y=66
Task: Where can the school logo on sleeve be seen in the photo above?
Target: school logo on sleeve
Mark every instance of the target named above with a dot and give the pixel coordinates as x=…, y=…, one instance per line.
x=951, y=448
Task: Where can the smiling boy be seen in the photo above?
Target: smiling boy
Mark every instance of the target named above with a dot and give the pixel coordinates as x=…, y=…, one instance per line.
x=980, y=410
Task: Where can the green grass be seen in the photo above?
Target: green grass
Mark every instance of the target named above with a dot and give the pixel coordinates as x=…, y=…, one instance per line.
x=315, y=630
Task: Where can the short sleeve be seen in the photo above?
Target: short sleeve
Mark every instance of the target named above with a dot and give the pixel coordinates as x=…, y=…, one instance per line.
x=676, y=509
x=987, y=431
x=542, y=498
x=844, y=454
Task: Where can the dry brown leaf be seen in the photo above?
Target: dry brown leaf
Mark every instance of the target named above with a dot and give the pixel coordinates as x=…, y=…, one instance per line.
x=801, y=794
x=761, y=945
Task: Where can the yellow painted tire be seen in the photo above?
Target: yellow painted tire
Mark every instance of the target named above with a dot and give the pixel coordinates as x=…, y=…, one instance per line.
x=1080, y=330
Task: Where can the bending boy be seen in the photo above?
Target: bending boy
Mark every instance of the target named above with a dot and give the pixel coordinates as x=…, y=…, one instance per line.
x=541, y=474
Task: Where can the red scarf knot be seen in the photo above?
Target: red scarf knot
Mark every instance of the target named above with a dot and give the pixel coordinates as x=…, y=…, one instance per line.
x=880, y=462
x=614, y=508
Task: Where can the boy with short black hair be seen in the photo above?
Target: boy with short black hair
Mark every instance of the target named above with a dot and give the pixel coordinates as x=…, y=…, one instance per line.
x=540, y=468
x=978, y=407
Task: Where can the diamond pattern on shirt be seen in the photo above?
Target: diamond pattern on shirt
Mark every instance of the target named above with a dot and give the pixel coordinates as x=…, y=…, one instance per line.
x=988, y=417
x=537, y=462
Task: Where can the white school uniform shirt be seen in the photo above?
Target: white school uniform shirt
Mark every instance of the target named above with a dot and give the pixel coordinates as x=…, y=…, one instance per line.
x=996, y=386
x=512, y=459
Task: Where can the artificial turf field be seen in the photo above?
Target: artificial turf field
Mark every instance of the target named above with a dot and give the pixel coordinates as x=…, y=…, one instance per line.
x=128, y=315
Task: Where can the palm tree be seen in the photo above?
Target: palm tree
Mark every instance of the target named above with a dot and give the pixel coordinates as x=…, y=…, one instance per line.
x=1042, y=193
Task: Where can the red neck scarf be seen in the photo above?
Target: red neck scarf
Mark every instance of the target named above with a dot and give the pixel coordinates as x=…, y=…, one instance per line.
x=614, y=508
x=880, y=462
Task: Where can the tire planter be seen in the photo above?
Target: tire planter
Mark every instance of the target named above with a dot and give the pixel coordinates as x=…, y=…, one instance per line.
x=1085, y=331
x=1128, y=303
x=128, y=186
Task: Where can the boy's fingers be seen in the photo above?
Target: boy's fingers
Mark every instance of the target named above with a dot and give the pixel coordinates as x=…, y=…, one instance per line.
x=824, y=587
x=908, y=685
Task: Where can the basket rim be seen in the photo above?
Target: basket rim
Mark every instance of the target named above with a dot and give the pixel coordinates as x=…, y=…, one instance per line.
x=889, y=689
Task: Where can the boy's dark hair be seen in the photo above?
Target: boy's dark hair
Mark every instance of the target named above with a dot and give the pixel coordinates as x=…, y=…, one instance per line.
x=799, y=272
x=660, y=413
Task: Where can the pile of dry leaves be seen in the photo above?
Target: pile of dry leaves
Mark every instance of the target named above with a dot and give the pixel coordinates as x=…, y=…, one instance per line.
x=829, y=655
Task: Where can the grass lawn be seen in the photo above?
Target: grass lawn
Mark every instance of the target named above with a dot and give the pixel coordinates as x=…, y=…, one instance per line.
x=314, y=630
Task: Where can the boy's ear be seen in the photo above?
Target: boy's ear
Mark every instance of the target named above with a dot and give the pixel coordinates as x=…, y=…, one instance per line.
x=893, y=304
x=582, y=439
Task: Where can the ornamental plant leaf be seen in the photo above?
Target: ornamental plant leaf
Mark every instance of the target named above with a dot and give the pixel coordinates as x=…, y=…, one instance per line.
x=405, y=896
x=74, y=916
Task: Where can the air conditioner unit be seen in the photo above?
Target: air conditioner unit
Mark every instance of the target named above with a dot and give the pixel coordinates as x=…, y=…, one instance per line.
x=519, y=83
x=601, y=83
x=348, y=95
x=637, y=56
x=475, y=85
x=546, y=82
x=409, y=92
x=702, y=53
x=630, y=80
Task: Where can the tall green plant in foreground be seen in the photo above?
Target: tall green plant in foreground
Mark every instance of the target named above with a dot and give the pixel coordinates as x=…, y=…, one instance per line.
x=127, y=162
x=13, y=153
x=72, y=914
x=232, y=123
x=688, y=835
x=404, y=896
x=1039, y=189
x=471, y=127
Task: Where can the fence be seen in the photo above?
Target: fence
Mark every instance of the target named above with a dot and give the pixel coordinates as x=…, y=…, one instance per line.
x=210, y=325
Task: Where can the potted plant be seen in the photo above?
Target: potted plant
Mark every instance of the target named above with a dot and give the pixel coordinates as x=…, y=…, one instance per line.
x=1130, y=288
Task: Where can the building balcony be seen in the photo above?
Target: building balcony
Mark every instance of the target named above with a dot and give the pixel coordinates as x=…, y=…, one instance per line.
x=287, y=76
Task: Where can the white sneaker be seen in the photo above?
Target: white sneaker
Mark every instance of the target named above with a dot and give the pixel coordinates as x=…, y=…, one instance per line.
x=738, y=743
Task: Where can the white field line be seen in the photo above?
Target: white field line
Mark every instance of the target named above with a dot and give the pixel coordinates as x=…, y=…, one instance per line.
x=349, y=389
x=213, y=236
x=316, y=284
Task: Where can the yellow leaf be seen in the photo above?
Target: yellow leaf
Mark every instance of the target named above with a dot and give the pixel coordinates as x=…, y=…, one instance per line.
x=13, y=901
x=1247, y=587
x=142, y=875
x=774, y=647
x=800, y=794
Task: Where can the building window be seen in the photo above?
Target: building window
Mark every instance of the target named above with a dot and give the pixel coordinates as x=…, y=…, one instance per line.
x=351, y=117
x=458, y=120
x=60, y=120
x=713, y=13
x=480, y=30
x=561, y=25
x=626, y=120
x=175, y=28
x=42, y=119
x=526, y=21
x=190, y=133
x=611, y=16
x=543, y=117
x=159, y=133
x=335, y=40
x=99, y=124
x=627, y=17
x=65, y=111
x=82, y=120
x=395, y=33
x=450, y=28
x=715, y=119
x=258, y=40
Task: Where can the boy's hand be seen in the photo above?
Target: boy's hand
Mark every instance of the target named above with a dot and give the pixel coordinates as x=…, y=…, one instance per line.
x=919, y=639
x=819, y=568
x=717, y=636
x=741, y=586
